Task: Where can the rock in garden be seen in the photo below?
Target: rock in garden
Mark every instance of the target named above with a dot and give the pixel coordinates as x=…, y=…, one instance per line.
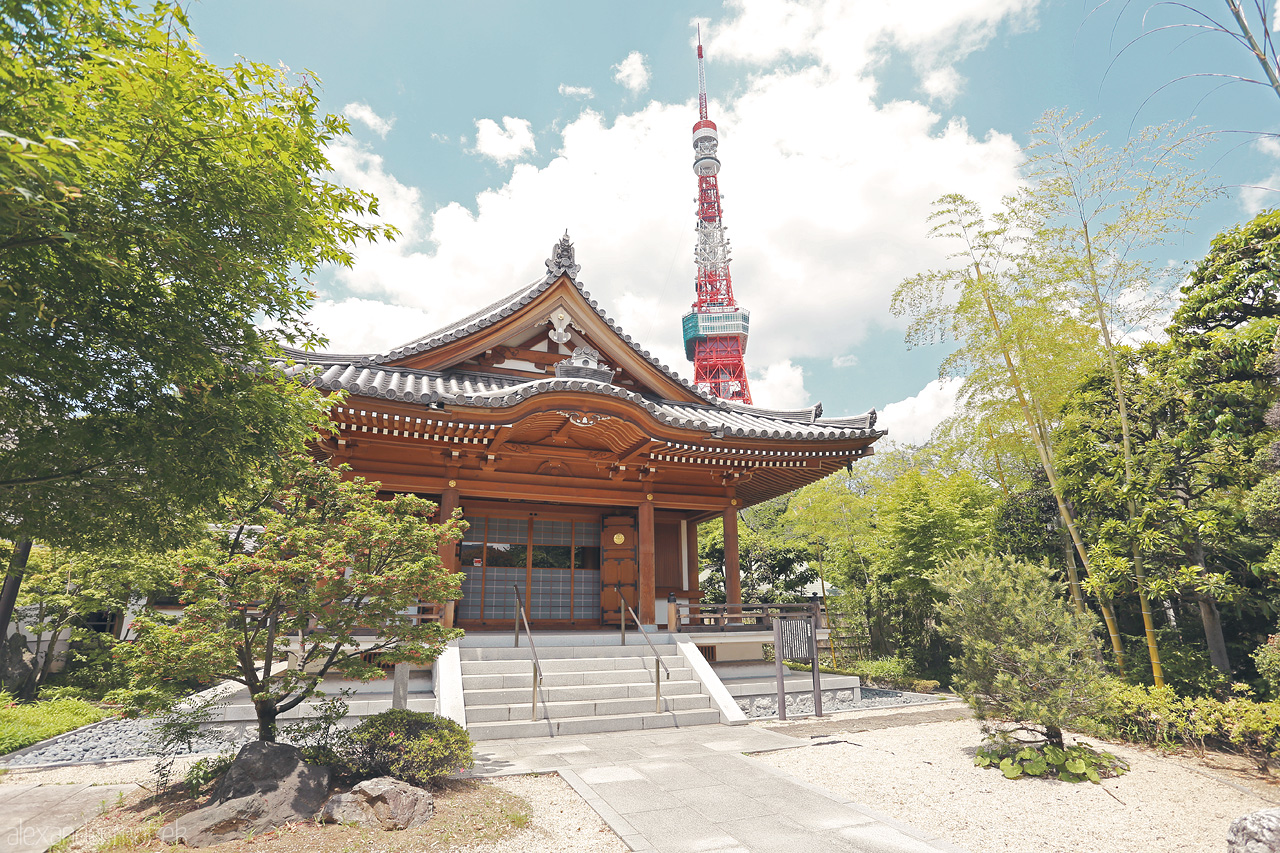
x=1258, y=832
x=267, y=786
x=383, y=803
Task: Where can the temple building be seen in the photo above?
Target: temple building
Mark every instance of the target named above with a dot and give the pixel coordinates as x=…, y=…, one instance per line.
x=582, y=464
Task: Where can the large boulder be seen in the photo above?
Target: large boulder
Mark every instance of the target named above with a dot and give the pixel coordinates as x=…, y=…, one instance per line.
x=267, y=786
x=1258, y=832
x=382, y=803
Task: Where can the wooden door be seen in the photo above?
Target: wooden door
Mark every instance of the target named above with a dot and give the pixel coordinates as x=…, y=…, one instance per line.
x=617, y=565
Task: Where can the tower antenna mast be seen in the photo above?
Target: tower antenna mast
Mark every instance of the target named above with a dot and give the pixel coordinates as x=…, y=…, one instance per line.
x=715, y=329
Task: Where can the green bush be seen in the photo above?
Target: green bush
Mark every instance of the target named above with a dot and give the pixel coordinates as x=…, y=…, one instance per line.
x=23, y=725
x=1161, y=718
x=413, y=746
x=1267, y=659
x=1026, y=659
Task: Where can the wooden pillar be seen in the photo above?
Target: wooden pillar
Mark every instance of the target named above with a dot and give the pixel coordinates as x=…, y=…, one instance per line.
x=449, y=500
x=647, y=590
x=691, y=543
x=732, y=569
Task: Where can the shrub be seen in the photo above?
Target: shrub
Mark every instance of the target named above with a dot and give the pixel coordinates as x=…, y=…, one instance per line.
x=1161, y=718
x=1267, y=659
x=23, y=725
x=1026, y=660
x=321, y=736
x=206, y=771
x=413, y=746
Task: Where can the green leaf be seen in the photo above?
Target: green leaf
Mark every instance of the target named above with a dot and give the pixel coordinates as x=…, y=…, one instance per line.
x=1010, y=769
x=1075, y=765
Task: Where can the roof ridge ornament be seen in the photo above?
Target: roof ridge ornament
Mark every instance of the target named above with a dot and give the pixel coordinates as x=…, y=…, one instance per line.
x=561, y=261
x=585, y=363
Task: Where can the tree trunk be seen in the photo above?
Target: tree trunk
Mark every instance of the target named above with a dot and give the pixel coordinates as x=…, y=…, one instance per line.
x=41, y=667
x=267, y=713
x=1212, y=621
x=1122, y=408
x=12, y=581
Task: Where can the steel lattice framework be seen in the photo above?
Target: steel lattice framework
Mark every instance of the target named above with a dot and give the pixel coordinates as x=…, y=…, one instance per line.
x=715, y=329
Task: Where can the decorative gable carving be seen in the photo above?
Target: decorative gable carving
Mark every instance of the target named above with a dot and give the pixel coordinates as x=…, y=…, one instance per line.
x=584, y=364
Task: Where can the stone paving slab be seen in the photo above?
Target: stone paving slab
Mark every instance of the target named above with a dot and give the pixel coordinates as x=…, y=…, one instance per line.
x=34, y=817
x=697, y=789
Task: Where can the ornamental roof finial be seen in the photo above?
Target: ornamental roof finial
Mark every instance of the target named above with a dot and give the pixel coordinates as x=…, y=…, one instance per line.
x=561, y=261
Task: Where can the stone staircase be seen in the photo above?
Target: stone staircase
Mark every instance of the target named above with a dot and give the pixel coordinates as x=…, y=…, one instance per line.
x=590, y=683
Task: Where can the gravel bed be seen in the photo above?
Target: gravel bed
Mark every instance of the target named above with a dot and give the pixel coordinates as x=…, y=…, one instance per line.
x=832, y=700
x=106, y=741
x=924, y=776
x=559, y=820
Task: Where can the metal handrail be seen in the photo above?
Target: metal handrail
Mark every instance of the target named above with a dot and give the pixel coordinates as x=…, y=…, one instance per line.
x=533, y=650
x=623, y=609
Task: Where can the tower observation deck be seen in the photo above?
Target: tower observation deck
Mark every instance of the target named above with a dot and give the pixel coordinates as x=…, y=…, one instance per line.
x=715, y=329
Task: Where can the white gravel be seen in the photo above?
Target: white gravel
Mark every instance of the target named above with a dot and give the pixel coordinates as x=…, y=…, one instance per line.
x=140, y=770
x=560, y=820
x=924, y=776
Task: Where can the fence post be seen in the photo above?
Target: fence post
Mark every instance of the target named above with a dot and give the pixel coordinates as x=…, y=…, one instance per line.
x=815, y=618
x=777, y=661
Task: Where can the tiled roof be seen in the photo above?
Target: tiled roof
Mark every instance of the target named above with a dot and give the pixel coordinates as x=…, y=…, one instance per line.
x=468, y=388
x=370, y=375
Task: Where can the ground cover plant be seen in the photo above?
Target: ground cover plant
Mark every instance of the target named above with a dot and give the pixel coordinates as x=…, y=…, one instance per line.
x=23, y=725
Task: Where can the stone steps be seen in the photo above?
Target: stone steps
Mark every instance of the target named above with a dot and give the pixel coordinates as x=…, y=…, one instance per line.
x=590, y=725
x=591, y=683
x=524, y=678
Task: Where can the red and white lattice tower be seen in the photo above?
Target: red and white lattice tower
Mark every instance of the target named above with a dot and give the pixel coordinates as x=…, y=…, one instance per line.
x=715, y=329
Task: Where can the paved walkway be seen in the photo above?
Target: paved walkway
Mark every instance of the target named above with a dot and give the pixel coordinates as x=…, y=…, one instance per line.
x=693, y=789
x=33, y=817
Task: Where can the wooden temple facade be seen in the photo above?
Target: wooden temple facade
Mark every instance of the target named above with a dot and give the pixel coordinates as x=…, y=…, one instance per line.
x=582, y=464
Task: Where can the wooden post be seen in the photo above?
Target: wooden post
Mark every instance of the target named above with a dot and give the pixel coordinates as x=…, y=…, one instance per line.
x=673, y=613
x=647, y=590
x=732, y=569
x=449, y=499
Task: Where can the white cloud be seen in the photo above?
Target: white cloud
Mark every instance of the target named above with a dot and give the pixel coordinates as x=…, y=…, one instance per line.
x=815, y=261
x=577, y=91
x=367, y=325
x=364, y=114
x=1266, y=193
x=846, y=360
x=779, y=386
x=509, y=142
x=912, y=421
x=942, y=84
x=632, y=72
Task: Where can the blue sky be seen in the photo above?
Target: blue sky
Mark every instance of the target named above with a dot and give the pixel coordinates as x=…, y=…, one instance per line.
x=488, y=128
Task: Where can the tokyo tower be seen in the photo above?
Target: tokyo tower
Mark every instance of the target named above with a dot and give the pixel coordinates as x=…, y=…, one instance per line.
x=715, y=329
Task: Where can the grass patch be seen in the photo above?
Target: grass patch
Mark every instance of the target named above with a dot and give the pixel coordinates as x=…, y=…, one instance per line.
x=23, y=725
x=468, y=814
